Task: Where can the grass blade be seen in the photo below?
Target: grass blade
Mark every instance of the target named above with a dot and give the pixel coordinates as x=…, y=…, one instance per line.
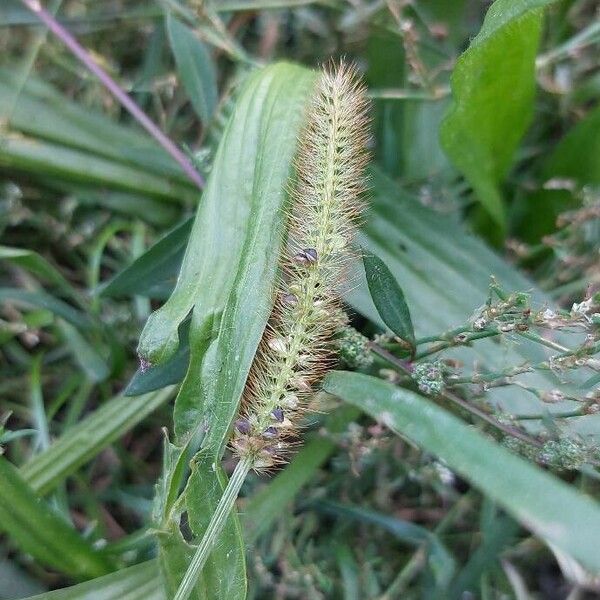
x=140, y=582
x=561, y=515
x=83, y=441
x=40, y=532
x=195, y=66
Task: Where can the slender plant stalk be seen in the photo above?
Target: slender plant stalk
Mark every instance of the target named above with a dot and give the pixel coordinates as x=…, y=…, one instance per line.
x=214, y=529
x=297, y=346
x=405, y=368
x=113, y=87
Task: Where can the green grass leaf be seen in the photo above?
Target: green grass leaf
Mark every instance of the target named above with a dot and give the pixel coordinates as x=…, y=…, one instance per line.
x=43, y=113
x=493, y=85
x=90, y=361
x=38, y=265
x=154, y=273
x=87, y=438
x=42, y=299
x=47, y=160
x=388, y=298
x=195, y=67
x=227, y=281
x=37, y=530
x=439, y=558
x=562, y=515
x=140, y=582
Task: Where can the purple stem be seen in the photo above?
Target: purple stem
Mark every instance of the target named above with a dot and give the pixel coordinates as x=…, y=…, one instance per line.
x=136, y=112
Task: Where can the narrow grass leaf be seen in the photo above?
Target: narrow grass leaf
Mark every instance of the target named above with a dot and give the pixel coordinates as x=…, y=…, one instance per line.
x=37, y=530
x=562, y=515
x=439, y=558
x=497, y=537
x=44, y=113
x=48, y=161
x=140, y=582
x=38, y=265
x=86, y=439
x=42, y=299
x=577, y=155
x=87, y=357
x=195, y=67
x=154, y=273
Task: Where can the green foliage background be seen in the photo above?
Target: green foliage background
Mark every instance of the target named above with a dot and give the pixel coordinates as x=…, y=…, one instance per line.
x=485, y=130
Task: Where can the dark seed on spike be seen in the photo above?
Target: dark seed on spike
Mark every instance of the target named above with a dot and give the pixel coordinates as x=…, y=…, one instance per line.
x=243, y=426
x=311, y=254
x=277, y=414
x=290, y=299
x=306, y=256
x=270, y=432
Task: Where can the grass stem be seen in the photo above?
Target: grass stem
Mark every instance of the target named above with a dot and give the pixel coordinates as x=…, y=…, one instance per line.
x=214, y=529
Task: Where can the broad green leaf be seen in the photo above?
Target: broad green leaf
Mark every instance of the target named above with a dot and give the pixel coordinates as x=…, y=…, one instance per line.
x=37, y=530
x=140, y=582
x=388, y=298
x=85, y=440
x=227, y=278
x=562, y=515
x=154, y=273
x=283, y=94
x=195, y=67
x=493, y=85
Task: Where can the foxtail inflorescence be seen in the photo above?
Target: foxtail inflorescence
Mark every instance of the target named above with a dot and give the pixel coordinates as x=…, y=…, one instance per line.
x=297, y=347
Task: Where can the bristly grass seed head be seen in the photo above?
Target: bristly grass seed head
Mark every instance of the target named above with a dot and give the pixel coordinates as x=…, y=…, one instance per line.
x=297, y=347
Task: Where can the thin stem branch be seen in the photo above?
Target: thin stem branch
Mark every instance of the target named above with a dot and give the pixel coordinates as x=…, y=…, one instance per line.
x=214, y=529
x=512, y=431
x=136, y=112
